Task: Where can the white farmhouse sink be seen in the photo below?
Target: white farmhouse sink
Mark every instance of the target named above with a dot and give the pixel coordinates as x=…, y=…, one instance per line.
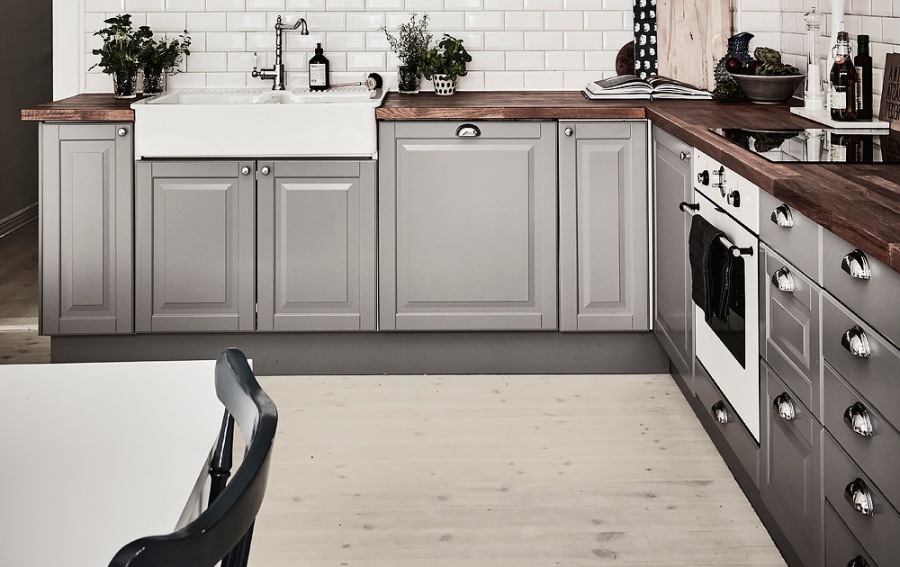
x=249, y=123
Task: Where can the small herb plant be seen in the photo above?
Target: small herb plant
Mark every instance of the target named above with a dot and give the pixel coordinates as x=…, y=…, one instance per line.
x=165, y=55
x=122, y=45
x=448, y=58
x=412, y=40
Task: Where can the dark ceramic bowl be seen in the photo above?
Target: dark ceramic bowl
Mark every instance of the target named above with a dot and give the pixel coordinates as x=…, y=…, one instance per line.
x=769, y=89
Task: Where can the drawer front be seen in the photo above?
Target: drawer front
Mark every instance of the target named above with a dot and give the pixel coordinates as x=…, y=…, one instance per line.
x=879, y=533
x=875, y=299
x=876, y=377
x=841, y=548
x=800, y=242
x=878, y=454
x=791, y=477
x=790, y=329
x=735, y=432
x=470, y=131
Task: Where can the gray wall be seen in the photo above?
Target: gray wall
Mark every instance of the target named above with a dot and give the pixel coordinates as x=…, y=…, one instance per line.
x=26, y=73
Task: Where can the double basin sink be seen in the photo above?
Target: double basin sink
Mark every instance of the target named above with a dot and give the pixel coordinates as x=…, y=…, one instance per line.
x=250, y=123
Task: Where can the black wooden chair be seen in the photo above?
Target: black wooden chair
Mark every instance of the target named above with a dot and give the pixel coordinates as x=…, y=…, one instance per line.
x=222, y=532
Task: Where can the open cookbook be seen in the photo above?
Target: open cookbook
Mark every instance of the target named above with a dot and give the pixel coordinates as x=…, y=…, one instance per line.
x=652, y=88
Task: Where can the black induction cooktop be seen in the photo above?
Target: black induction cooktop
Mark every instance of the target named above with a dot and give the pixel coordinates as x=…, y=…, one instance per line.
x=818, y=145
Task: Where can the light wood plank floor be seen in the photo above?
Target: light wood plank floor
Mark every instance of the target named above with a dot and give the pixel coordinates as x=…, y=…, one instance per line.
x=19, y=341
x=465, y=471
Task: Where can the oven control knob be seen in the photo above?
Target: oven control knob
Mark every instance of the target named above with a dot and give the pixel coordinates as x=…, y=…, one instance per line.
x=734, y=198
x=703, y=177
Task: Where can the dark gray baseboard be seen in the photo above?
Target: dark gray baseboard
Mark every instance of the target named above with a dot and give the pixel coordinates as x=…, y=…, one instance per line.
x=388, y=352
x=18, y=219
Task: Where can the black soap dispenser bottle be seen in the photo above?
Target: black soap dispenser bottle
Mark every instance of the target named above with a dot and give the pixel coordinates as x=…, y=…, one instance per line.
x=318, y=70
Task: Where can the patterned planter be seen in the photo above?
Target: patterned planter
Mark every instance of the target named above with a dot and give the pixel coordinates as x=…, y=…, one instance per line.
x=443, y=85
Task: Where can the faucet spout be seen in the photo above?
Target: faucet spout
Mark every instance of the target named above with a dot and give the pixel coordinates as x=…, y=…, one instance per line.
x=276, y=72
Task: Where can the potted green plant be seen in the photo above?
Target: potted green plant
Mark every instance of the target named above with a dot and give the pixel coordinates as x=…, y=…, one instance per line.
x=445, y=63
x=161, y=57
x=119, y=55
x=410, y=44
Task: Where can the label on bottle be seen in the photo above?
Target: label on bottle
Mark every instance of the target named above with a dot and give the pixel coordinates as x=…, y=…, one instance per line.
x=859, y=87
x=838, y=100
x=317, y=75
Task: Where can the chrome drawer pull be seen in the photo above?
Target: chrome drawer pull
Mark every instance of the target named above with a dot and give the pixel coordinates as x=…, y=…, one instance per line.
x=858, y=561
x=468, y=131
x=784, y=406
x=857, y=342
x=857, y=265
x=783, y=280
x=857, y=419
x=720, y=413
x=782, y=216
x=684, y=156
x=857, y=494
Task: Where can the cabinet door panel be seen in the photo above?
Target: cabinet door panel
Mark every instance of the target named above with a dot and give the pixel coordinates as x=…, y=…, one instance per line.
x=86, y=219
x=603, y=196
x=195, y=247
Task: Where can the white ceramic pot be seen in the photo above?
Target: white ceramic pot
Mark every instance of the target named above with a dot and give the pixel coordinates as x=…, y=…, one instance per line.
x=443, y=85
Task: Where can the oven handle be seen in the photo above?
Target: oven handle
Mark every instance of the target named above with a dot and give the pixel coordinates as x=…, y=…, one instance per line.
x=692, y=208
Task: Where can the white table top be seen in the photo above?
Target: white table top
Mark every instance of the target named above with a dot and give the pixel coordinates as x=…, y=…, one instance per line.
x=97, y=455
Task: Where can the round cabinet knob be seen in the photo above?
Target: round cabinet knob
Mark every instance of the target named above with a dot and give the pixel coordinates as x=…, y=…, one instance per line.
x=857, y=265
x=720, y=412
x=265, y=170
x=784, y=406
x=684, y=156
x=858, y=495
x=782, y=216
x=568, y=131
x=122, y=132
x=783, y=280
x=734, y=198
x=245, y=170
x=857, y=419
x=856, y=342
x=703, y=177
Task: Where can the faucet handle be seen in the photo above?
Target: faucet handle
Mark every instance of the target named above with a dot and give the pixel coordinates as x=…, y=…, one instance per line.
x=255, y=61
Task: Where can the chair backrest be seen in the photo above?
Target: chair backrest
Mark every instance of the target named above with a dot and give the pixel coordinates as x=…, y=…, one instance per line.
x=222, y=532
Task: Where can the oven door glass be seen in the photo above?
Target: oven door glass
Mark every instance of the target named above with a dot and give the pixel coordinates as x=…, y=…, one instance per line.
x=732, y=331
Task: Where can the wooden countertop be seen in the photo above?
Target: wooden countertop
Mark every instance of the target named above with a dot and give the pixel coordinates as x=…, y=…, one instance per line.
x=859, y=203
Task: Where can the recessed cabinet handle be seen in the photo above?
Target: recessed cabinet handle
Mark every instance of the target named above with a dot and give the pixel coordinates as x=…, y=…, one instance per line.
x=784, y=406
x=858, y=495
x=857, y=419
x=782, y=216
x=122, y=132
x=468, y=131
x=856, y=342
x=783, y=280
x=858, y=561
x=245, y=170
x=857, y=265
x=684, y=156
x=720, y=412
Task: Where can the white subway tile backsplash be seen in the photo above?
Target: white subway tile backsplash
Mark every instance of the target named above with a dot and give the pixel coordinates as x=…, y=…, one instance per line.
x=222, y=41
x=167, y=22
x=343, y=5
x=543, y=40
x=543, y=5
x=346, y=41
x=503, y=4
x=145, y=5
x=524, y=21
x=207, y=21
x=424, y=5
x=505, y=41
x=311, y=5
x=265, y=5
x=462, y=5
x=104, y=5
x=207, y=62
x=564, y=60
x=484, y=21
x=524, y=60
x=362, y=21
x=224, y=5
x=384, y=4
x=365, y=61
x=185, y=5
x=603, y=21
x=441, y=22
x=504, y=80
x=489, y=61
x=246, y=21
x=614, y=40
x=564, y=21
x=582, y=40
x=883, y=8
x=543, y=80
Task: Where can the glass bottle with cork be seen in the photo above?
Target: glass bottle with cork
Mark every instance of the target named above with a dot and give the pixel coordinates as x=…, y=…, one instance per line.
x=842, y=92
x=863, y=63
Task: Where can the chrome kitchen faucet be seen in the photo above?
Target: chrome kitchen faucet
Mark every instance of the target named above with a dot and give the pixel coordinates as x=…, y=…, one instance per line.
x=276, y=72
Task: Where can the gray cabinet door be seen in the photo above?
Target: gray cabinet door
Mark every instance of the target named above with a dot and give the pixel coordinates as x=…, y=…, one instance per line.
x=194, y=231
x=672, y=185
x=86, y=229
x=604, y=253
x=467, y=225
x=316, y=246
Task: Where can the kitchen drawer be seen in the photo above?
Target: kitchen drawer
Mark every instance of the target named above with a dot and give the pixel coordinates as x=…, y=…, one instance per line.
x=790, y=324
x=879, y=533
x=841, y=548
x=879, y=454
x=875, y=299
x=791, y=473
x=791, y=234
x=735, y=432
x=876, y=377
x=482, y=129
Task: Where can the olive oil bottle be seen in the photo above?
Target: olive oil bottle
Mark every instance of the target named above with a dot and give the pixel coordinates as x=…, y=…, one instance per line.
x=843, y=81
x=863, y=63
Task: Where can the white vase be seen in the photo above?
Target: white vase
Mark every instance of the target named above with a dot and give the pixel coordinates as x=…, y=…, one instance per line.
x=443, y=85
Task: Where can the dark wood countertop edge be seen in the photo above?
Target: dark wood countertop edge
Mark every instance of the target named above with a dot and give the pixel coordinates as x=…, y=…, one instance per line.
x=76, y=115
x=509, y=113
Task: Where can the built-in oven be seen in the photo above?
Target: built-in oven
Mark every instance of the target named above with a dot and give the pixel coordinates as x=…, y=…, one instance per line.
x=728, y=346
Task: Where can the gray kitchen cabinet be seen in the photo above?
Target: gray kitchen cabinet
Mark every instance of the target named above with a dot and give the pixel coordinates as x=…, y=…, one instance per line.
x=604, y=251
x=673, y=308
x=316, y=246
x=467, y=225
x=194, y=246
x=791, y=480
x=86, y=228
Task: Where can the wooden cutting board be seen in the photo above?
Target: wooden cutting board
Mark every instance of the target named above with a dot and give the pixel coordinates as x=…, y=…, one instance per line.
x=692, y=35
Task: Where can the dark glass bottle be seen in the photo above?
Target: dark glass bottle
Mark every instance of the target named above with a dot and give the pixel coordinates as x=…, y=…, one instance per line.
x=863, y=63
x=318, y=70
x=843, y=81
